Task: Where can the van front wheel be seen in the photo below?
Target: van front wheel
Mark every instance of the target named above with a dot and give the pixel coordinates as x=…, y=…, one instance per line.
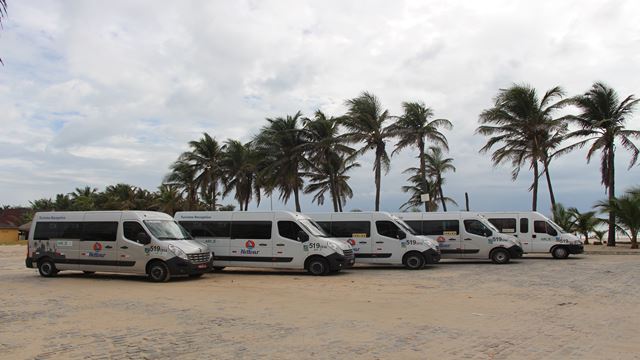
x=47, y=268
x=414, y=261
x=159, y=272
x=560, y=252
x=318, y=267
x=500, y=256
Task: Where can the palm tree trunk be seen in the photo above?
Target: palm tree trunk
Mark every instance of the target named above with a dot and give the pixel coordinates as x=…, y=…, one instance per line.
x=551, y=195
x=586, y=238
x=377, y=178
x=334, y=196
x=423, y=172
x=444, y=205
x=611, y=240
x=296, y=196
x=534, y=201
x=634, y=239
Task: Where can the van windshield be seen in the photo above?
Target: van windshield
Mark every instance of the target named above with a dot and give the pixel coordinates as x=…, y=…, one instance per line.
x=405, y=226
x=167, y=230
x=488, y=223
x=557, y=227
x=313, y=228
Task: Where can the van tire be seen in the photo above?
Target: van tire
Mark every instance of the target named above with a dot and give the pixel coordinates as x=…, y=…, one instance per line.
x=318, y=266
x=159, y=272
x=560, y=252
x=413, y=261
x=500, y=256
x=47, y=268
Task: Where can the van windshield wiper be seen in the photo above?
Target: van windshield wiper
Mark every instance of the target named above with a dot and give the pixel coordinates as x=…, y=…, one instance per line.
x=169, y=238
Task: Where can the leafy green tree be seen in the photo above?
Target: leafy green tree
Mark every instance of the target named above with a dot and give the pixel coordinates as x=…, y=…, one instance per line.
x=240, y=168
x=627, y=211
x=330, y=176
x=281, y=148
x=436, y=165
x=415, y=129
x=521, y=125
x=168, y=199
x=84, y=199
x=183, y=177
x=563, y=217
x=205, y=157
x=365, y=124
x=42, y=205
x=327, y=155
x=415, y=190
x=584, y=223
x=602, y=121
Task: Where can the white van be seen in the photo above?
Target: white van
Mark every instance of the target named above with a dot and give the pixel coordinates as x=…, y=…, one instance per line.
x=380, y=238
x=537, y=233
x=136, y=242
x=464, y=235
x=275, y=239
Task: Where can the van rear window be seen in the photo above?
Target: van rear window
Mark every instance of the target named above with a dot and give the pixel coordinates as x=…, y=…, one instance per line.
x=99, y=231
x=504, y=225
x=251, y=229
x=348, y=229
x=57, y=230
x=440, y=227
x=219, y=229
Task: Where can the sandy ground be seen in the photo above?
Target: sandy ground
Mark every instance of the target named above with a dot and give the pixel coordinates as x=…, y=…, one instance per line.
x=536, y=308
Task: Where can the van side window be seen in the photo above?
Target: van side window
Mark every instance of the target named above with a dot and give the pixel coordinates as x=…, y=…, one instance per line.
x=220, y=229
x=524, y=225
x=440, y=227
x=388, y=229
x=251, y=229
x=57, y=230
x=325, y=225
x=289, y=229
x=351, y=229
x=131, y=229
x=99, y=230
x=504, y=225
x=542, y=227
x=476, y=227
x=415, y=225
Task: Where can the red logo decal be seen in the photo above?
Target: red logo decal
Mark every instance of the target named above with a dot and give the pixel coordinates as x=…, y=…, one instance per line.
x=250, y=244
x=351, y=242
x=440, y=238
x=97, y=247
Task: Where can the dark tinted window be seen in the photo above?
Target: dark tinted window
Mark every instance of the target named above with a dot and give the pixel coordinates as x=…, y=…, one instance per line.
x=289, y=229
x=350, y=229
x=541, y=227
x=221, y=229
x=388, y=229
x=440, y=227
x=131, y=229
x=57, y=230
x=99, y=231
x=416, y=225
x=251, y=229
x=477, y=228
x=504, y=225
x=325, y=225
x=524, y=225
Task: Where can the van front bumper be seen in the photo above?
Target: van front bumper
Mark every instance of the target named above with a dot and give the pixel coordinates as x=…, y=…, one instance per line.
x=338, y=262
x=575, y=249
x=515, y=251
x=431, y=256
x=178, y=266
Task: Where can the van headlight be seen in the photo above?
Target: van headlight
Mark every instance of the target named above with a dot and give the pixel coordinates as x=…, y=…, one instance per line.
x=335, y=248
x=178, y=252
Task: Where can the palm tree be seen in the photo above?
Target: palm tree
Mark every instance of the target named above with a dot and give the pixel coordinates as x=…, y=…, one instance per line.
x=414, y=128
x=240, y=164
x=183, y=177
x=415, y=189
x=3, y=13
x=205, y=156
x=584, y=223
x=365, y=124
x=330, y=176
x=281, y=148
x=602, y=121
x=436, y=165
x=627, y=211
x=169, y=199
x=83, y=199
x=521, y=125
x=326, y=153
x=563, y=217
x=42, y=205
x=119, y=197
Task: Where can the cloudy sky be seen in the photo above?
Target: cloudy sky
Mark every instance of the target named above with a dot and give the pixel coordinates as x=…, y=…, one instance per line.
x=95, y=93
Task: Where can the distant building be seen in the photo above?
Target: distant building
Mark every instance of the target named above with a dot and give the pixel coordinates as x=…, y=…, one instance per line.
x=10, y=221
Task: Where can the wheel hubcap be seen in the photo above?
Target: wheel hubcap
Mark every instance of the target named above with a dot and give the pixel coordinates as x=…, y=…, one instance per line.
x=413, y=262
x=156, y=273
x=500, y=256
x=46, y=268
x=317, y=268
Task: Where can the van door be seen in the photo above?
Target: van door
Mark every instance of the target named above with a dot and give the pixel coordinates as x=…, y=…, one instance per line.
x=524, y=234
x=387, y=243
x=475, y=242
x=98, y=246
x=447, y=233
x=288, y=248
x=251, y=243
x=544, y=236
x=132, y=253
x=358, y=234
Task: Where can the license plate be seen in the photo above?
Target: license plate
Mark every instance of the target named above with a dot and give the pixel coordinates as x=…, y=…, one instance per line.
x=202, y=266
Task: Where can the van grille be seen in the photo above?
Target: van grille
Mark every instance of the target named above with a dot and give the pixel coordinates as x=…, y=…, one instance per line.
x=348, y=253
x=199, y=258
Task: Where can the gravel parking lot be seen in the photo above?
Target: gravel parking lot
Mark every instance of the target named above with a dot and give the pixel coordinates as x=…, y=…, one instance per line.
x=535, y=308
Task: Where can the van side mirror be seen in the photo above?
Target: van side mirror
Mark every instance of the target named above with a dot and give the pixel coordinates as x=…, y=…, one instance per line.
x=143, y=238
x=488, y=233
x=402, y=235
x=303, y=236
